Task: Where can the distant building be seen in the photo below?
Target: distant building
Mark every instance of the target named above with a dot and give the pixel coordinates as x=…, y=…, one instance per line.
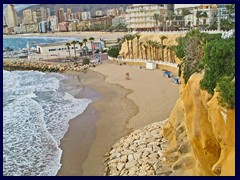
x=86, y=15
x=77, y=15
x=60, y=15
x=43, y=14
x=99, y=13
x=31, y=28
x=44, y=26
x=27, y=16
x=69, y=14
x=114, y=12
x=118, y=20
x=20, y=30
x=54, y=23
x=10, y=16
x=48, y=12
x=141, y=16
x=222, y=11
x=105, y=20
x=63, y=26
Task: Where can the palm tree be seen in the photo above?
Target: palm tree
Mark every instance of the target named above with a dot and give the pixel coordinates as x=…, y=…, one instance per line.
x=85, y=41
x=68, y=47
x=156, y=17
x=163, y=47
x=141, y=44
x=172, y=57
x=131, y=38
x=170, y=16
x=74, y=46
x=138, y=37
x=127, y=38
x=230, y=10
x=162, y=39
x=184, y=13
x=80, y=45
x=91, y=39
x=146, y=50
x=199, y=15
x=149, y=43
x=168, y=51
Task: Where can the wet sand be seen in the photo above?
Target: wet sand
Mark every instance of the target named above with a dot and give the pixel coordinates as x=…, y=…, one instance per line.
x=104, y=122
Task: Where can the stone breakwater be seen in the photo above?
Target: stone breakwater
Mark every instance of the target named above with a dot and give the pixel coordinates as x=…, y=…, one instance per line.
x=43, y=66
x=139, y=154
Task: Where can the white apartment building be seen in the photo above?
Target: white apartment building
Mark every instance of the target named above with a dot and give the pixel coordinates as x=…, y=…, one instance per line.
x=10, y=16
x=86, y=15
x=54, y=23
x=99, y=13
x=140, y=16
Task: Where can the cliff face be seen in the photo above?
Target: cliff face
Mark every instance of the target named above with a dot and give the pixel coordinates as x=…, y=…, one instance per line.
x=201, y=133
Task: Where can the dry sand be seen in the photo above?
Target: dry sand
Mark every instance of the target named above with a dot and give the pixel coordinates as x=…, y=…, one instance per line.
x=125, y=105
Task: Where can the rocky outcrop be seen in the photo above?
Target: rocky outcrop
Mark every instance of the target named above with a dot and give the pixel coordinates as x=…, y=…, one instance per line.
x=201, y=133
x=43, y=66
x=139, y=154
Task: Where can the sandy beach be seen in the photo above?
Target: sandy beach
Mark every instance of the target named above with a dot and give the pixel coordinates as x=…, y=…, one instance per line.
x=123, y=106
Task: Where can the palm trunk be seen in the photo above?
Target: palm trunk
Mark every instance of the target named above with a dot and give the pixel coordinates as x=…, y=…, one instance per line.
x=167, y=55
x=128, y=49
x=146, y=54
x=141, y=54
x=162, y=54
x=137, y=48
x=74, y=51
x=132, y=49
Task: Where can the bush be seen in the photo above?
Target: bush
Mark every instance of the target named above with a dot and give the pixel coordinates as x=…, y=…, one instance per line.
x=113, y=52
x=226, y=86
x=86, y=61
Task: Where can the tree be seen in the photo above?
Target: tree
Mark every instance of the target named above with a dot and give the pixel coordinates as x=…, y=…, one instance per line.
x=91, y=39
x=85, y=41
x=199, y=15
x=131, y=39
x=128, y=38
x=146, y=50
x=141, y=49
x=156, y=17
x=170, y=16
x=150, y=43
x=162, y=39
x=230, y=10
x=68, y=47
x=184, y=13
x=113, y=52
x=74, y=46
x=138, y=37
x=80, y=45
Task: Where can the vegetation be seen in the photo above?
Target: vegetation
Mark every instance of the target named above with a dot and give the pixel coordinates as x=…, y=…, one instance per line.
x=85, y=61
x=216, y=56
x=68, y=47
x=74, y=46
x=113, y=51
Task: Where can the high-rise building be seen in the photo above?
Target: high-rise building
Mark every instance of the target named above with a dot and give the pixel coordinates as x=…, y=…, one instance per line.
x=48, y=12
x=43, y=14
x=86, y=15
x=69, y=13
x=60, y=15
x=27, y=16
x=141, y=16
x=10, y=16
x=38, y=15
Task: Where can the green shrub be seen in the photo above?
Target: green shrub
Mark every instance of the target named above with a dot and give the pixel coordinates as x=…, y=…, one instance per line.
x=86, y=61
x=226, y=86
x=113, y=52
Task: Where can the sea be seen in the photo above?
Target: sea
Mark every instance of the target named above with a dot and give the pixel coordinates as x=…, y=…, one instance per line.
x=17, y=43
x=36, y=115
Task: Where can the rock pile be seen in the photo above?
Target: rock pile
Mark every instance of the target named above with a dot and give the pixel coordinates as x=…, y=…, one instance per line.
x=43, y=66
x=139, y=154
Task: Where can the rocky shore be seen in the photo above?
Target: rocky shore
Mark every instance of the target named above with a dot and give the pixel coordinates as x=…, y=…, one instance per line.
x=139, y=154
x=43, y=66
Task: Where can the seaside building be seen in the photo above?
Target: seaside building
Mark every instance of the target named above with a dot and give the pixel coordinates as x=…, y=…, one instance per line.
x=31, y=28
x=63, y=26
x=99, y=13
x=20, y=29
x=86, y=15
x=10, y=16
x=48, y=12
x=141, y=16
x=60, y=15
x=27, y=16
x=73, y=26
x=38, y=16
x=44, y=26
x=54, y=23
x=105, y=21
x=43, y=14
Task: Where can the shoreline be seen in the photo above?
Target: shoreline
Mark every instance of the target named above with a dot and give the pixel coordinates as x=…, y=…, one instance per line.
x=82, y=134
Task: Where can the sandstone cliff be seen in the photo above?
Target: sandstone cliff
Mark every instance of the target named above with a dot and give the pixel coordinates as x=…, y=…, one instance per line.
x=201, y=133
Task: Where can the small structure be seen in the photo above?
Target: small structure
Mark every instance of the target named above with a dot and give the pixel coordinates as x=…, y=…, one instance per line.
x=151, y=65
x=176, y=80
x=167, y=74
x=127, y=76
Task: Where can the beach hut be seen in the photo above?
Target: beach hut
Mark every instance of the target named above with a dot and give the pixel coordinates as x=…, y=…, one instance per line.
x=176, y=80
x=167, y=74
x=151, y=65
